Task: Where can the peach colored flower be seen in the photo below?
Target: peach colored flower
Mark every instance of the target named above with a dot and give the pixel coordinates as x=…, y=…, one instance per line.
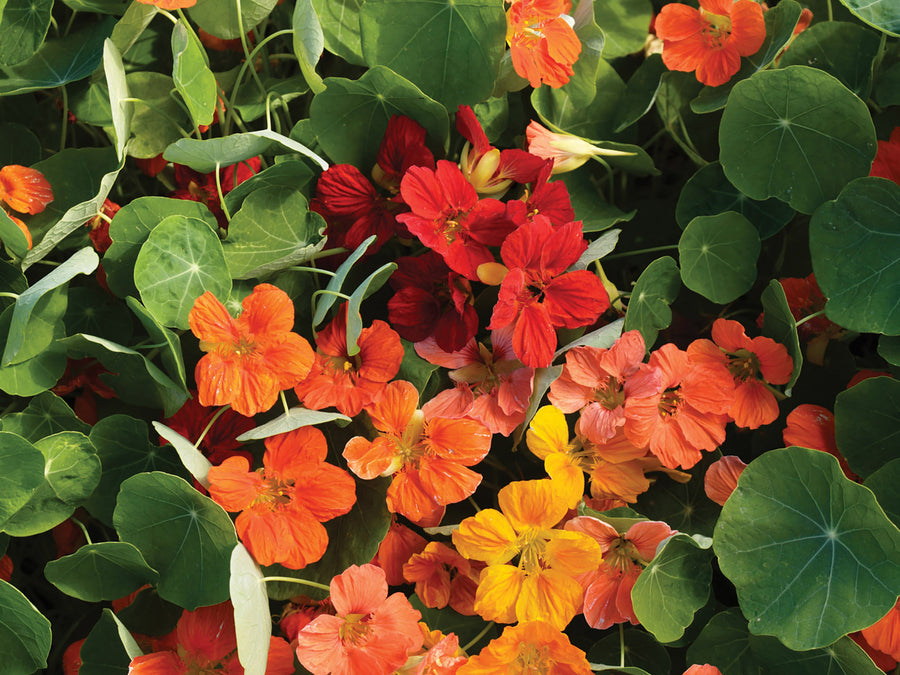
x=721, y=478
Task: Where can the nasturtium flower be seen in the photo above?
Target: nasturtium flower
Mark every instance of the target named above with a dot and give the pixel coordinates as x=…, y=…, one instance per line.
x=542, y=585
x=194, y=186
x=704, y=669
x=403, y=146
x=372, y=633
x=24, y=190
x=398, y=546
x=884, y=634
x=441, y=655
x=170, y=4
x=443, y=577
x=721, y=478
x=567, y=151
x=607, y=596
x=248, y=360
x=887, y=158
x=428, y=458
x=812, y=426
x=284, y=504
x=542, y=41
x=805, y=298
x=527, y=649
x=710, y=40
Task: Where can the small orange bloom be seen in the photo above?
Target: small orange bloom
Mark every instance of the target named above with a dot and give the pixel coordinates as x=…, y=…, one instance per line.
x=712, y=39
x=170, y=4
x=721, y=478
x=398, y=546
x=24, y=190
x=284, y=504
x=542, y=43
x=530, y=647
x=884, y=634
x=428, y=458
x=21, y=225
x=443, y=577
x=250, y=359
x=705, y=669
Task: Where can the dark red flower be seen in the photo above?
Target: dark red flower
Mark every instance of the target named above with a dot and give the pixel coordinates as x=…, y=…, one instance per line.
x=887, y=159
x=199, y=187
x=219, y=442
x=403, y=146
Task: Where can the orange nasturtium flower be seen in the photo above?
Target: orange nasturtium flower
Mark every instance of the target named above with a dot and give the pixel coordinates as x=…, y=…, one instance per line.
x=712, y=39
x=541, y=587
x=170, y=4
x=542, y=42
x=24, y=190
x=248, y=360
x=284, y=504
x=428, y=458
x=531, y=647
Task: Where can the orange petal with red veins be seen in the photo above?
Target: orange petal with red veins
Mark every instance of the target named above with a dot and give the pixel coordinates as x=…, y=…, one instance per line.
x=287, y=357
x=447, y=481
x=267, y=310
x=232, y=485
x=326, y=492
x=211, y=322
x=647, y=536
x=677, y=22
x=290, y=455
x=369, y=459
x=24, y=190
x=753, y=406
x=748, y=28
x=721, y=478
x=464, y=441
x=392, y=411
x=407, y=497
x=718, y=65
x=380, y=352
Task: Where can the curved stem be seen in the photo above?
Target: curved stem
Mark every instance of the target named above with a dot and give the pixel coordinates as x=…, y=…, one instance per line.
x=474, y=641
x=87, y=537
x=802, y=321
x=219, y=190
x=641, y=251
x=209, y=425
x=302, y=582
x=65, y=117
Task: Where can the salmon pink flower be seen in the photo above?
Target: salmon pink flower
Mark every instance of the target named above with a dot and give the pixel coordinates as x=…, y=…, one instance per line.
x=284, y=504
x=686, y=413
x=721, y=478
x=530, y=647
x=704, y=669
x=567, y=151
x=607, y=594
x=442, y=655
x=755, y=364
x=427, y=457
x=248, y=360
x=492, y=386
x=812, y=426
x=448, y=217
x=542, y=585
x=712, y=39
x=24, y=190
x=538, y=295
x=443, y=577
x=350, y=382
x=371, y=634
x=542, y=41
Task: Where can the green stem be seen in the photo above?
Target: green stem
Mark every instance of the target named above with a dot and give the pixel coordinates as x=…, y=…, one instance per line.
x=87, y=537
x=830, y=12
x=301, y=268
x=253, y=72
x=621, y=645
x=302, y=582
x=640, y=251
x=212, y=421
x=7, y=294
x=474, y=641
x=337, y=294
x=808, y=318
x=65, y=117
x=219, y=190
x=229, y=113
x=287, y=408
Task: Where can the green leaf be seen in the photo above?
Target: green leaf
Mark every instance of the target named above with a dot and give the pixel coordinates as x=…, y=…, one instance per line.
x=18, y=145
x=624, y=24
x=852, y=242
x=673, y=587
x=158, y=119
x=24, y=633
x=228, y=20
x=726, y=643
x=889, y=349
x=327, y=299
x=181, y=259
x=130, y=228
x=170, y=351
x=350, y=117
x=881, y=14
x=22, y=475
x=640, y=92
x=36, y=374
x=120, y=109
x=708, y=193
x=59, y=61
x=844, y=50
x=867, y=423
x=115, y=7
x=648, y=307
x=94, y=311
x=24, y=317
x=25, y=23
x=252, y=103
x=883, y=482
x=192, y=77
x=185, y=536
x=295, y=175
x=684, y=506
x=593, y=210
x=293, y=419
x=780, y=22
x=194, y=460
x=718, y=256
x=602, y=338
x=203, y=156
x=340, y=28
x=417, y=39
x=779, y=324
x=543, y=378
x=582, y=86
x=415, y=369
x=124, y=449
x=45, y=414
x=134, y=379
x=369, y=285
x=71, y=472
x=887, y=90
x=797, y=134
x=12, y=235
x=252, y=618
x=103, y=651
x=641, y=651
x=44, y=323
x=96, y=572
x=149, y=614
x=353, y=539
x=309, y=42
x=273, y=230
x=821, y=563
x=132, y=25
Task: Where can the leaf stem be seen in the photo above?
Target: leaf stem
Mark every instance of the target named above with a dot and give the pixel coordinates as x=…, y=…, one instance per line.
x=87, y=537
x=807, y=318
x=219, y=190
x=209, y=425
x=7, y=294
x=474, y=641
x=302, y=582
x=302, y=268
x=621, y=645
x=287, y=408
x=641, y=251
x=65, y=117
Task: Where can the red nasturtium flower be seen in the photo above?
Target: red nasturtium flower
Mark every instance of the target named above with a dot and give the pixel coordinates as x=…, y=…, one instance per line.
x=542, y=41
x=887, y=158
x=284, y=504
x=6, y=568
x=712, y=39
x=201, y=187
x=884, y=634
x=429, y=459
x=248, y=360
x=220, y=440
x=530, y=647
x=403, y=146
x=371, y=634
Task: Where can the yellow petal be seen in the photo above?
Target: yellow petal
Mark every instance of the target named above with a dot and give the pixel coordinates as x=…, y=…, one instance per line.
x=500, y=586
x=532, y=504
x=572, y=553
x=550, y=596
x=548, y=433
x=486, y=536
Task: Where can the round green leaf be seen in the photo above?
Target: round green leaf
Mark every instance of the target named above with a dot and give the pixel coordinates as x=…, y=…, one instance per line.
x=158, y=119
x=187, y=537
x=350, y=117
x=624, y=24
x=881, y=14
x=203, y=156
x=855, y=256
x=718, y=256
x=192, y=76
x=673, y=587
x=36, y=374
x=293, y=174
x=418, y=39
x=105, y=571
x=797, y=134
x=866, y=423
x=24, y=633
x=228, y=20
x=149, y=614
x=779, y=324
x=18, y=145
x=104, y=650
x=726, y=643
x=94, y=311
x=708, y=193
x=340, y=28
x=883, y=483
x=889, y=349
x=811, y=554
x=648, y=307
x=181, y=259
x=23, y=473
x=44, y=415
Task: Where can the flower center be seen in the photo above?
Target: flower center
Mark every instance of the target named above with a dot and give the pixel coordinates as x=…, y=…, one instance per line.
x=743, y=365
x=533, y=659
x=717, y=31
x=275, y=493
x=610, y=394
x=354, y=631
x=669, y=403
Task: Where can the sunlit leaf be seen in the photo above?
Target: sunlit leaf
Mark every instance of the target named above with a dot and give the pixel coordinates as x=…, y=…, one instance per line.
x=105, y=571
x=881, y=14
x=22, y=475
x=193, y=460
x=192, y=76
x=252, y=618
x=25, y=23
x=293, y=419
x=228, y=20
